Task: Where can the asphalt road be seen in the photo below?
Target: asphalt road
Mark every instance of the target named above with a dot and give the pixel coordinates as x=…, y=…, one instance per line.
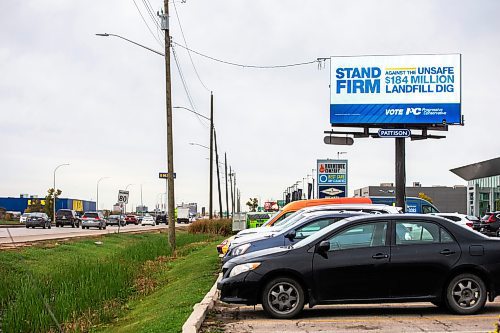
x=24, y=235
x=390, y=318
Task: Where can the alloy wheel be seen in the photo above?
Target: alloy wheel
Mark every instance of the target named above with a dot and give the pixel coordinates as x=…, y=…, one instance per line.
x=466, y=293
x=283, y=297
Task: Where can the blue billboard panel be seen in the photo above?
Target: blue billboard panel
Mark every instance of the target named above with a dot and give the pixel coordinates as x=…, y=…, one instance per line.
x=409, y=89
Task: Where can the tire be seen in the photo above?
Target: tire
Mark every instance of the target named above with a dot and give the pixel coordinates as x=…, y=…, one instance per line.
x=50, y=227
x=43, y=226
x=73, y=225
x=100, y=228
x=279, y=295
x=498, y=233
x=27, y=227
x=104, y=227
x=466, y=294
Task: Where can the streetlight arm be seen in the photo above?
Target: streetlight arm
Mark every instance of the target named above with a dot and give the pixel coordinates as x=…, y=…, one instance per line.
x=131, y=41
x=196, y=113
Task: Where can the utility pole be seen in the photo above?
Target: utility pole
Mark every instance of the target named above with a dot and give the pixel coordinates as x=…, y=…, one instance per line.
x=232, y=193
x=210, y=207
x=170, y=145
x=218, y=175
x=227, y=199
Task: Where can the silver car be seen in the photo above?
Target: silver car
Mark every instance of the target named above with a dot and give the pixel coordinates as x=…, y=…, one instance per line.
x=93, y=219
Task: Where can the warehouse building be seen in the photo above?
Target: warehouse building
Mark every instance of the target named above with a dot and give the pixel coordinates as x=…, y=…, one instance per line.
x=448, y=199
x=483, y=190
x=24, y=201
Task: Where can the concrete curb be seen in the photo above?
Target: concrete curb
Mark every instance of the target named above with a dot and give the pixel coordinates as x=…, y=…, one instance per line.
x=193, y=323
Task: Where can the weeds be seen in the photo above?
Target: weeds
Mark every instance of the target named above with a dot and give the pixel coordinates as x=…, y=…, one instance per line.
x=221, y=227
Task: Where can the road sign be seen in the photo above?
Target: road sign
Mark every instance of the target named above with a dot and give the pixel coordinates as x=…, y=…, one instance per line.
x=394, y=133
x=123, y=196
x=338, y=140
x=164, y=175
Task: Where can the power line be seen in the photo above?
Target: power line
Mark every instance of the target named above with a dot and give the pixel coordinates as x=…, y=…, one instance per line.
x=184, y=84
x=147, y=25
x=246, y=66
x=185, y=43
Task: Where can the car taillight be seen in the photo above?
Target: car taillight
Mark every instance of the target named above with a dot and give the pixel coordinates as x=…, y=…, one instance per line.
x=469, y=224
x=97, y=218
x=490, y=219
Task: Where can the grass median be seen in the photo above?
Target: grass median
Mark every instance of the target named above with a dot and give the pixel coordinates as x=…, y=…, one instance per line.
x=87, y=285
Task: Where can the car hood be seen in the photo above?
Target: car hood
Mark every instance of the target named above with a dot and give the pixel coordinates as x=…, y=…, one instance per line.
x=255, y=231
x=258, y=255
x=251, y=238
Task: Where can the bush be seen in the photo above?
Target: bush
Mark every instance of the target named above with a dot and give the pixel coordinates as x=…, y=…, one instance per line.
x=221, y=227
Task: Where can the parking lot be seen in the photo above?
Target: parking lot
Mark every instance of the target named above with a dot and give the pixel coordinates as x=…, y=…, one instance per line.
x=397, y=317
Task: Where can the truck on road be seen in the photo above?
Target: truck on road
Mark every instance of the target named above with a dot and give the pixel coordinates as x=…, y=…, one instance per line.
x=182, y=215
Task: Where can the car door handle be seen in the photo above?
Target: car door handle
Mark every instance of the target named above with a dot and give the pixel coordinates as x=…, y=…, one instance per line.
x=447, y=252
x=380, y=256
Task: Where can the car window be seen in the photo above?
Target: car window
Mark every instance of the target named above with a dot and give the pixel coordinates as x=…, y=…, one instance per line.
x=359, y=236
x=315, y=226
x=416, y=232
x=91, y=215
x=426, y=209
x=451, y=217
x=445, y=236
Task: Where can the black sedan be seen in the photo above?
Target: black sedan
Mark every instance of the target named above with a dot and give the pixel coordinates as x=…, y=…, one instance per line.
x=38, y=220
x=370, y=259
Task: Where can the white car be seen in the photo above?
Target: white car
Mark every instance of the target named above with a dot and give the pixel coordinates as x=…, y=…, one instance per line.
x=462, y=219
x=24, y=218
x=148, y=219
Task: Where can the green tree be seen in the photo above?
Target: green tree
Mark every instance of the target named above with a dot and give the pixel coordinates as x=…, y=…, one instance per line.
x=35, y=206
x=424, y=196
x=49, y=202
x=252, y=204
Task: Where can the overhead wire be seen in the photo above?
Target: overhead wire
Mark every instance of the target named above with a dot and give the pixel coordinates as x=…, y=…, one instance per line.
x=147, y=25
x=188, y=52
x=243, y=65
x=185, y=86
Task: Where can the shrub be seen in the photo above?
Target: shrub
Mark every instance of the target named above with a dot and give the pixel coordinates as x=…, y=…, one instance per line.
x=221, y=227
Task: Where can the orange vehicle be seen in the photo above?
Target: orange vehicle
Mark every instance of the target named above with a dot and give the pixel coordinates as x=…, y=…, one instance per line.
x=294, y=206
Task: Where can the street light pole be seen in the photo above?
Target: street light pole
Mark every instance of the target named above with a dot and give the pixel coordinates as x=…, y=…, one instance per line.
x=55, y=193
x=97, y=201
x=210, y=206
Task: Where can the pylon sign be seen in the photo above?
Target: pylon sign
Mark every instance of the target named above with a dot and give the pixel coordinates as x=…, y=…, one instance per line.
x=331, y=178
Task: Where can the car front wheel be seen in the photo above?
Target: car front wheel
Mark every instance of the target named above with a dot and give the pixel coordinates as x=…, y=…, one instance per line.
x=466, y=294
x=283, y=298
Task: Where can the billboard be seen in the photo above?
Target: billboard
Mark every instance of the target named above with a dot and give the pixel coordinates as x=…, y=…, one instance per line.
x=331, y=178
x=404, y=89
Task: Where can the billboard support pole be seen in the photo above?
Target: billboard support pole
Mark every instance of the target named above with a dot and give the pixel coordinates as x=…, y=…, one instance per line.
x=400, y=173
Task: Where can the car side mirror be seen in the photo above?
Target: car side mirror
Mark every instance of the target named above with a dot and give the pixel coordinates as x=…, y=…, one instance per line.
x=322, y=247
x=291, y=235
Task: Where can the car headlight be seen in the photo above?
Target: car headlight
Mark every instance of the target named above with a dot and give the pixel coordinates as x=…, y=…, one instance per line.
x=243, y=268
x=241, y=249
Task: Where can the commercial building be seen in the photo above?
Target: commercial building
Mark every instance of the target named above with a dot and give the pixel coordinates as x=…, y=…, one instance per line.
x=483, y=190
x=20, y=204
x=449, y=199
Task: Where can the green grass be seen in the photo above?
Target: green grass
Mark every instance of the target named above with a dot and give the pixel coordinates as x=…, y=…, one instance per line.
x=5, y=222
x=84, y=284
x=184, y=284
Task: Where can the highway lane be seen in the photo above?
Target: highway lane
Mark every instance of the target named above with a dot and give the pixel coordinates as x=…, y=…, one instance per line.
x=24, y=235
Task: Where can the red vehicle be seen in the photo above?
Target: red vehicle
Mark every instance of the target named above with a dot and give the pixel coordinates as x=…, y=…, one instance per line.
x=131, y=219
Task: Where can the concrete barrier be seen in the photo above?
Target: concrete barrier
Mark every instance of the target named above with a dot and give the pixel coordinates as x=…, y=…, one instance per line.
x=193, y=323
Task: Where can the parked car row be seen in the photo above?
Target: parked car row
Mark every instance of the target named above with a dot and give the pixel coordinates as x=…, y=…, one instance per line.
x=68, y=217
x=329, y=254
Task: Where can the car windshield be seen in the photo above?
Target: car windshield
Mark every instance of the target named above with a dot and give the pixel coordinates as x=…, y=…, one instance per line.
x=485, y=217
x=471, y=218
x=37, y=214
x=289, y=218
x=91, y=215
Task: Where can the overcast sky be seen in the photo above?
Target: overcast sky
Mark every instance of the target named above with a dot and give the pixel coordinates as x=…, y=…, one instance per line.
x=67, y=96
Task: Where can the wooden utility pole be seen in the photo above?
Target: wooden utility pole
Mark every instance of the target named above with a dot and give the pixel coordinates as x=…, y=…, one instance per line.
x=210, y=207
x=170, y=144
x=227, y=199
x=218, y=175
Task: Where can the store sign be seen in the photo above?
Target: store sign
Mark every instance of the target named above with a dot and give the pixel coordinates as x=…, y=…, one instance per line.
x=331, y=178
x=407, y=89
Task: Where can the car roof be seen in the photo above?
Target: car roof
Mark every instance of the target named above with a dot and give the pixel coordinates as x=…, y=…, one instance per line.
x=350, y=207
